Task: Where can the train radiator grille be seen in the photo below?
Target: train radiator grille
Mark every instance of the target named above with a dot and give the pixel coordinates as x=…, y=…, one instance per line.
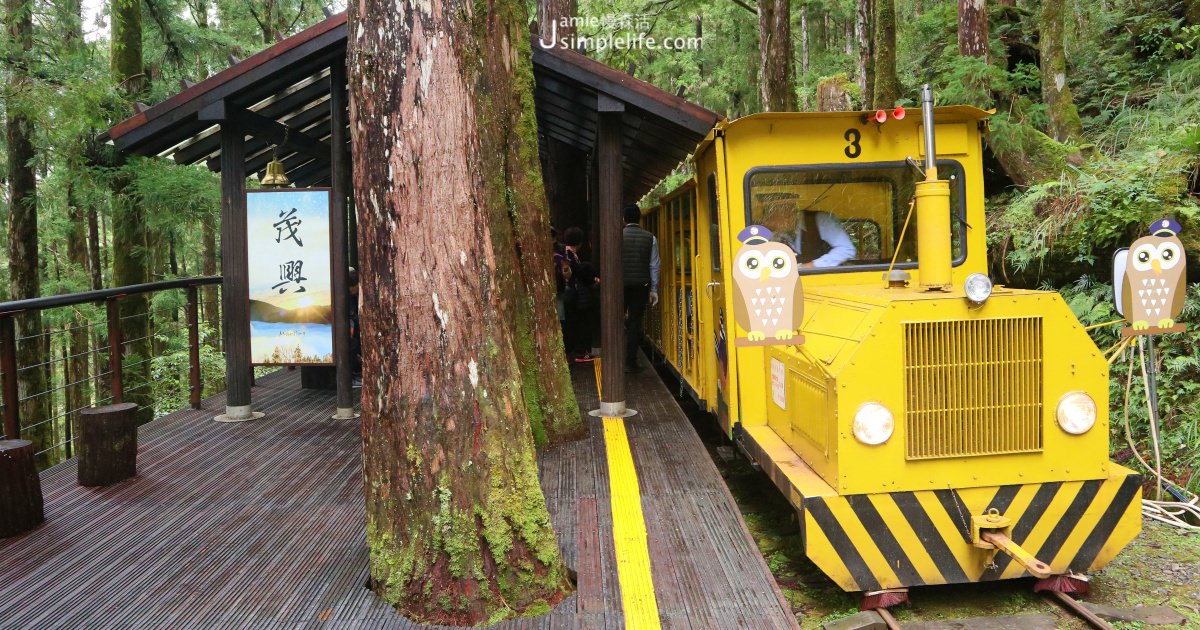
x=973, y=387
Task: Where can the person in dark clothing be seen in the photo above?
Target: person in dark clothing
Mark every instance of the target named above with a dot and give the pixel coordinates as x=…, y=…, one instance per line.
x=580, y=298
x=355, y=329
x=640, y=265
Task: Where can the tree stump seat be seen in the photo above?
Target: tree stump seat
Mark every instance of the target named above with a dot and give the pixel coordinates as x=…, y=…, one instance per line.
x=21, y=504
x=107, y=444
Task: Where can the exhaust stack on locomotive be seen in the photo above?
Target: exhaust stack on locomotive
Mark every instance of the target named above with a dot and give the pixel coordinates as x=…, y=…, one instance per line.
x=933, y=210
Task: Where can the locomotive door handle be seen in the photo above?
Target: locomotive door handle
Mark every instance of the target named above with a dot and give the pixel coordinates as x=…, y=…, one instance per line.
x=708, y=288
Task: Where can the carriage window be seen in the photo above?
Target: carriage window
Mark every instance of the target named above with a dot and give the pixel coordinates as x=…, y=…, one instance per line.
x=839, y=216
x=714, y=228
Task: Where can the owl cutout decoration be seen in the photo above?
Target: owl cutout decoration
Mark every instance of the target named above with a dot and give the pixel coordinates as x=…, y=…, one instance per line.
x=1151, y=281
x=769, y=302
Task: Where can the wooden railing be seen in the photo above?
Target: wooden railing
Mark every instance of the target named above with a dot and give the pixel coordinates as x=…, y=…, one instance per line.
x=114, y=346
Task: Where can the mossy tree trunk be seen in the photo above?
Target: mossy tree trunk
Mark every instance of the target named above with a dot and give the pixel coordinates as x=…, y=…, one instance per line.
x=76, y=366
x=1064, y=124
x=456, y=522
x=886, y=85
x=33, y=348
x=864, y=21
x=78, y=376
x=776, y=84
x=521, y=233
x=130, y=248
x=549, y=398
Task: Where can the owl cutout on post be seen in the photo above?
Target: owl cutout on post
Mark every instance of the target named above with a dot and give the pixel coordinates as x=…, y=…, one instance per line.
x=769, y=304
x=1155, y=282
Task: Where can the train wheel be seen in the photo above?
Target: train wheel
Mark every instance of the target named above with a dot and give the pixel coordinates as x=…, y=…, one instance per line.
x=886, y=598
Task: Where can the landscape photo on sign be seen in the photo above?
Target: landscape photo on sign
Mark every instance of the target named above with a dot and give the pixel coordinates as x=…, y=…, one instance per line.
x=769, y=303
x=1150, y=281
x=291, y=314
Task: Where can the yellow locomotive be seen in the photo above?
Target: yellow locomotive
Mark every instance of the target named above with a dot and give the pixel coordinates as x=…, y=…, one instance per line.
x=930, y=429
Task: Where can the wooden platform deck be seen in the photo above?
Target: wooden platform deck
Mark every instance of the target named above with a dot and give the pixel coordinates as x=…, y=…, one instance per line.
x=260, y=525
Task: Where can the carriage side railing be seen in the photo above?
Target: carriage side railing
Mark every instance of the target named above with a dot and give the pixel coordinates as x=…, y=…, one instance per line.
x=105, y=355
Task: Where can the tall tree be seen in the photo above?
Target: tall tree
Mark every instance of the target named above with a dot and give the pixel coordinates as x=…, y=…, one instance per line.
x=130, y=248
x=456, y=521
x=1064, y=124
x=864, y=23
x=887, y=87
x=78, y=376
x=554, y=19
x=804, y=56
x=973, y=28
x=33, y=347
x=776, y=84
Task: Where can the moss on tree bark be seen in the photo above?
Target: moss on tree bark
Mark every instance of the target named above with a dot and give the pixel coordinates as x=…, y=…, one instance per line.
x=886, y=85
x=33, y=348
x=1064, y=124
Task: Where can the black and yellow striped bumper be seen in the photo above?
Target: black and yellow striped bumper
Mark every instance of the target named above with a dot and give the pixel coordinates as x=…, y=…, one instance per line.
x=869, y=542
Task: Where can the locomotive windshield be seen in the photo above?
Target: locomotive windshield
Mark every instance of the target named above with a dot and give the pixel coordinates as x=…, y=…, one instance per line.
x=841, y=216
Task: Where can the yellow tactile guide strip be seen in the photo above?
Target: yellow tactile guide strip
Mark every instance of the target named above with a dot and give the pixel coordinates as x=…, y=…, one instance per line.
x=629, y=528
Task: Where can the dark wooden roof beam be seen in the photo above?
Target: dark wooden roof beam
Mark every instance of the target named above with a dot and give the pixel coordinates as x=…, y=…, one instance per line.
x=297, y=97
x=272, y=131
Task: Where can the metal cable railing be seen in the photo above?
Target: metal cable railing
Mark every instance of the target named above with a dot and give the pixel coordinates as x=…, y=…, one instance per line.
x=74, y=368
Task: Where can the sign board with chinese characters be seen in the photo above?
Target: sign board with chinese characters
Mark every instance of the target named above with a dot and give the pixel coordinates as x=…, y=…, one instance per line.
x=291, y=297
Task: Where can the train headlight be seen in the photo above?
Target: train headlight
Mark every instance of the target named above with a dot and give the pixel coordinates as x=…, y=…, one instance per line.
x=978, y=288
x=1076, y=413
x=873, y=424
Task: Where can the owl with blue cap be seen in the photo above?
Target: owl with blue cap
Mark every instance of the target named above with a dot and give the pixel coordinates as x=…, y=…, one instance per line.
x=770, y=302
x=1155, y=278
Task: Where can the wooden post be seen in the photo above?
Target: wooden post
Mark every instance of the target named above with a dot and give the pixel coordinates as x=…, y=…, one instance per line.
x=193, y=321
x=612, y=289
x=21, y=505
x=116, y=344
x=235, y=300
x=337, y=242
x=107, y=444
x=8, y=374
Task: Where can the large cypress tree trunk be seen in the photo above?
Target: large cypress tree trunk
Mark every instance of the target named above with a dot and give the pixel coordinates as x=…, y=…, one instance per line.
x=775, y=47
x=33, y=348
x=130, y=254
x=1064, y=122
x=886, y=85
x=456, y=520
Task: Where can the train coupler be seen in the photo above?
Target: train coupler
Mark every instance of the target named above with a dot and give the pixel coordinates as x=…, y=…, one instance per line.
x=990, y=531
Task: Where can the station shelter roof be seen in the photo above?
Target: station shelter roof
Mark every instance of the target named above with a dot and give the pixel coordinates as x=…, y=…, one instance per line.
x=282, y=96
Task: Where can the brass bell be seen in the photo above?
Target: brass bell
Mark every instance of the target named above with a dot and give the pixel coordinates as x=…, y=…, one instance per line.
x=274, y=175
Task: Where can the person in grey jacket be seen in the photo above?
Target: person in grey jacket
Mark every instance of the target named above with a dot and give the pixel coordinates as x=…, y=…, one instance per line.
x=640, y=264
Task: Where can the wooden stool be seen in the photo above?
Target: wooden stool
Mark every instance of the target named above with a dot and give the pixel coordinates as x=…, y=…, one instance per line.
x=106, y=444
x=21, y=507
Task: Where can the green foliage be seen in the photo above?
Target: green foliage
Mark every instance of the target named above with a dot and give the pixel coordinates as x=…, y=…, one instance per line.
x=171, y=373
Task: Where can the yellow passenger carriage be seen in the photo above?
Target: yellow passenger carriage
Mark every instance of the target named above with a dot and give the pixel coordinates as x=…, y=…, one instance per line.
x=916, y=430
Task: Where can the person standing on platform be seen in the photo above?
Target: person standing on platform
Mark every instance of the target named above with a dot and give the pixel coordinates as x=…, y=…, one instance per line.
x=640, y=264
x=581, y=303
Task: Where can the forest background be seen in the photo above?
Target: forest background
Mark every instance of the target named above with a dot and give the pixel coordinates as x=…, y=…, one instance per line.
x=1097, y=133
